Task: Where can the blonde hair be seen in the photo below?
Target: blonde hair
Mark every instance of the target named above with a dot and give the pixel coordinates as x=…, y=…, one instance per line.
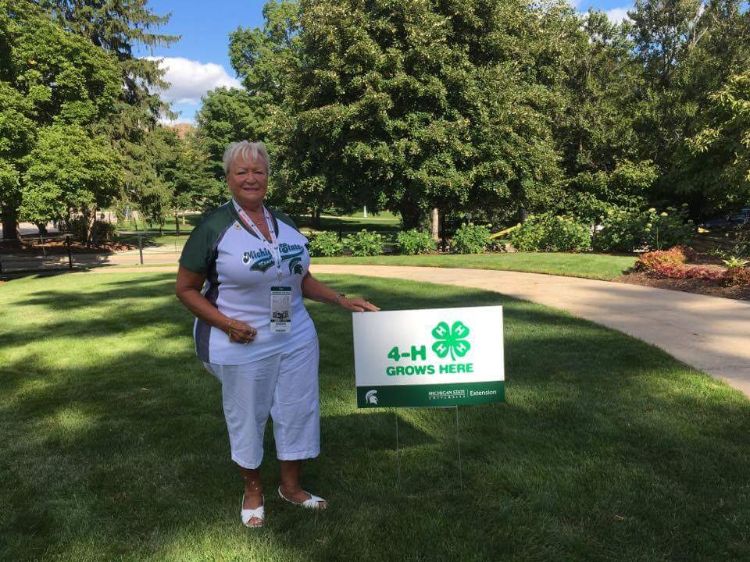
x=246, y=151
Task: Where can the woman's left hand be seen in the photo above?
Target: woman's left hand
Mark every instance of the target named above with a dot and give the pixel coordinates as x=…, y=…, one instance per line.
x=357, y=305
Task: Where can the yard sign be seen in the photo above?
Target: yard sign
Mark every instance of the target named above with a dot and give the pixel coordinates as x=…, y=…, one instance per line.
x=433, y=357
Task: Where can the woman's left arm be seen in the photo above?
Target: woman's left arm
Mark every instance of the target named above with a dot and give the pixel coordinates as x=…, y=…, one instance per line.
x=318, y=291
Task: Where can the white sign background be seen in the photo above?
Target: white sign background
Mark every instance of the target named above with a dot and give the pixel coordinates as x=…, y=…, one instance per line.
x=376, y=333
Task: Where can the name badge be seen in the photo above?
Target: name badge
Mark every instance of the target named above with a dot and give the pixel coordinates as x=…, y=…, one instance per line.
x=281, y=310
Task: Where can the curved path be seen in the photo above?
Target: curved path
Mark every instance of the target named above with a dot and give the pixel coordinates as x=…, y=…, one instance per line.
x=709, y=333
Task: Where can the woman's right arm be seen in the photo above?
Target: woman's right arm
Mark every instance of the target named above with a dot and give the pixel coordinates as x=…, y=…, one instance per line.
x=188, y=290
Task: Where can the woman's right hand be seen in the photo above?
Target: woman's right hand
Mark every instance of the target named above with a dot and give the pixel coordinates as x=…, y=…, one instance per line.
x=240, y=332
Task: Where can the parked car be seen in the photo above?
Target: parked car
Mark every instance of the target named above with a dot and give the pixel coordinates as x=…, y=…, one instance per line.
x=741, y=218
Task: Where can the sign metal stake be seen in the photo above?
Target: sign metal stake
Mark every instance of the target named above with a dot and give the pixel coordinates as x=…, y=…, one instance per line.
x=458, y=444
x=398, y=456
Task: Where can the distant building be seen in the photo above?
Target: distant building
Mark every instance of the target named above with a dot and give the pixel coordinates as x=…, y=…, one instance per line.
x=182, y=129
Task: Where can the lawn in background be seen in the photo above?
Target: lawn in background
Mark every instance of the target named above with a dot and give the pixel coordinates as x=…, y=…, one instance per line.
x=114, y=444
x=591, y=266
x=382, y=222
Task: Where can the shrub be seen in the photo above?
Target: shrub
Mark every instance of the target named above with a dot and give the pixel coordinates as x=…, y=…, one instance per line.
x=623, y=230
x=698, y=272
x=627, y=230
x=364, y=243
x=550, y=233
x=660, y=258
x=101, y=231
x=412, y=242
x=326, y=244
x=668, y=228
x=470, y=239
x=736, y=276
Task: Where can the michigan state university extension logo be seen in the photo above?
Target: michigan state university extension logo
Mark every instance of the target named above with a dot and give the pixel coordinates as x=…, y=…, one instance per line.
x=451, y=339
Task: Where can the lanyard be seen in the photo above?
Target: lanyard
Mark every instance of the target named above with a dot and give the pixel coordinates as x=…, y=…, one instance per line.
x=273, y=246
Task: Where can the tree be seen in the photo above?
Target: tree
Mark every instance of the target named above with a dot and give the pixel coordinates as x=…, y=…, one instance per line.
x=48, y=77
x=689, y=49
x=228, y=115
x=69, y=171
x=116, y=27
x=410, y=105
x=725, y=145
x=596, y=130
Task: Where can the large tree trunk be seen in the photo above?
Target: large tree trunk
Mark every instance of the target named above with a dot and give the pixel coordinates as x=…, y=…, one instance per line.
x=10, y=223
x=316, y=218
x=89, y=215
x=411, y=214
x=435, y=224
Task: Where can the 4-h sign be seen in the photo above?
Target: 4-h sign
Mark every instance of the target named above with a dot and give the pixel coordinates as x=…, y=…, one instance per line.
x=434, y=357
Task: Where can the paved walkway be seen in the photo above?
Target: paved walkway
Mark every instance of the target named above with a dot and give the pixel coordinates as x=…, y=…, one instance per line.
x=711, y=334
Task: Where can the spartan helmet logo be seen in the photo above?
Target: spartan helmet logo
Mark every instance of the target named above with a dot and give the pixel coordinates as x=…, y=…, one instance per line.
x=372, y=397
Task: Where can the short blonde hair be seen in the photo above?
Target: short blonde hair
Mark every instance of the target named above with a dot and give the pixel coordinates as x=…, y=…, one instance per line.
x=246, y=151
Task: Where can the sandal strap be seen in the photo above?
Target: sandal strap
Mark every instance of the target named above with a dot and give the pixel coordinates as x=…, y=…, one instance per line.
x=248, y=514
x=258, y=512
x=313, y=502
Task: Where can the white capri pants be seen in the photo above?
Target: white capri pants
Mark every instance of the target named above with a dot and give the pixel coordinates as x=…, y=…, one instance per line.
x=284, y=385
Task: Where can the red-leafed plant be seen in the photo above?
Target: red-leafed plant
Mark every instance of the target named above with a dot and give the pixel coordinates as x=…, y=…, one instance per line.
x=651, y=261
x=736, y=276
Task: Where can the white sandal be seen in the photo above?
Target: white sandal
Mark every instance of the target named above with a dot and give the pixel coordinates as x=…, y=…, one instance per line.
x=258, y=513
x=313, y=502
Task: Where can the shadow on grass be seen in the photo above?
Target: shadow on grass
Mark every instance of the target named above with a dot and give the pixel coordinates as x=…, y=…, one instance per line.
x=115, y=447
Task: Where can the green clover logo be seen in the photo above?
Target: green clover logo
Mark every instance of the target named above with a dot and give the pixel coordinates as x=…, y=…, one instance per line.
x=450, y=340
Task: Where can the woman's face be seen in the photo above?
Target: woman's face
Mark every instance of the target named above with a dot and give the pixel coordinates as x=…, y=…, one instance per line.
x=248, y=182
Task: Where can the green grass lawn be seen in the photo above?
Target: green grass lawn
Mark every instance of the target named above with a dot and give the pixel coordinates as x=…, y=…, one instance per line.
x=591, y=266
x=382, y=222
x=114, y=444
x=187, y=223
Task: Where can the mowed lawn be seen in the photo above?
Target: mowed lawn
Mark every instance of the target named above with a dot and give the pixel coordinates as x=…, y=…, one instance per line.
x=590, y=266
x=114, y=444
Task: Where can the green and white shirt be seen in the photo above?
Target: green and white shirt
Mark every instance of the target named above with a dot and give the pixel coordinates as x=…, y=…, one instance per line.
x=240, y=272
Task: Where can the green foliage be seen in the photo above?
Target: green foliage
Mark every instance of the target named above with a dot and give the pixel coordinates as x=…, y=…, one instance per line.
x=326, y=244
x=69, y=170
x=550, y=233
x=623, y=230
x=627, y=186
x=412, y=105
x=228, y=115
x=413, y=242
x=734, y=262
x=470, y=239
x=689, y=50
x=80, y=228
x=50, y=81
x=364, y=243
x=668, y=228
x=627, y=230
x=724, y=143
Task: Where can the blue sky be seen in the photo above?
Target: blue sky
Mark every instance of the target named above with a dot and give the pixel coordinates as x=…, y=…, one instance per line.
x=199, y=61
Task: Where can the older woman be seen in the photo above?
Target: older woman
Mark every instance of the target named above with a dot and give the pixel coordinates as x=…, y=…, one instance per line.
x=243, y=274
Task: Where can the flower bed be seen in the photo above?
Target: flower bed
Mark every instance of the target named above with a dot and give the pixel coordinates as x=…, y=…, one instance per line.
x=671, y=264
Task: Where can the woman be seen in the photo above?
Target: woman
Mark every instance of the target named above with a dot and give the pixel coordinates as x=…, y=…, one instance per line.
x=243, y=274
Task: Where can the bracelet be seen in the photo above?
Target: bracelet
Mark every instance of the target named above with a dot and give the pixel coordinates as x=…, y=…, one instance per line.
x=339, y=296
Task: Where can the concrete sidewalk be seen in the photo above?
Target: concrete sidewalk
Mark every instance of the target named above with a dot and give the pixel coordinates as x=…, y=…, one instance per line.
x=709, y=333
